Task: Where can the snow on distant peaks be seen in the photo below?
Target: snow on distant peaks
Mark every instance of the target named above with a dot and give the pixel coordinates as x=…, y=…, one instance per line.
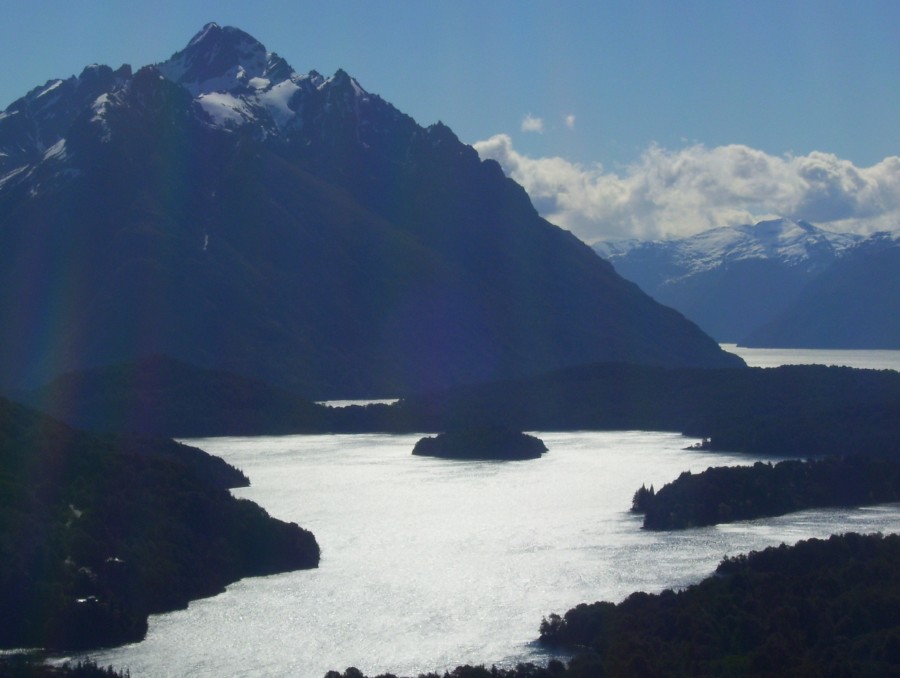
x=211, y=27
x=342, y=78
x=52, y=85
x=277, y=100
x=217, y=59
x=793, y=242
x=235, y=81
x=224, y=109
x=796, y=243
x=100, y=108
x=56, y=151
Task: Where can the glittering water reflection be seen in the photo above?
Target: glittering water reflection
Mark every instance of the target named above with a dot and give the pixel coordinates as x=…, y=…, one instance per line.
x=429, y=563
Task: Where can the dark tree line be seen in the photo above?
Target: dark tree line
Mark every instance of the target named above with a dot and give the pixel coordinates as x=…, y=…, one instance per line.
x=99, y=531
x=727, y=494
x=822, y=607
x=526, y=670
x=29, y=667
x=792, y=411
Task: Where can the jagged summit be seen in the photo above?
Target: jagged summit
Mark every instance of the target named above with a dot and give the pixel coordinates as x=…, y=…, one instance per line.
x=226, y=59
x=224, y=210
x=210, y=30
x=236, y=82
x=219, y=59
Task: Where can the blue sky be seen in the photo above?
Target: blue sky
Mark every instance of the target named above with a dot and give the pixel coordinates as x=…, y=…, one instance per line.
x=571, y=97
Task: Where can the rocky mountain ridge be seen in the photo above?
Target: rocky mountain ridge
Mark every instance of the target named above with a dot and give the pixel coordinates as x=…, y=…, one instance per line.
x=224, y=210
x=733, y=281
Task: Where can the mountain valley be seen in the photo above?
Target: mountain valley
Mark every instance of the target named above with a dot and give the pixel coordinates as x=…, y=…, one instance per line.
x=778, y=283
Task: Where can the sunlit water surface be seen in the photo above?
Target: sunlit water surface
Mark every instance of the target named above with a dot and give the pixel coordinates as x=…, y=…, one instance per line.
x=773, y=357
x=430, y=563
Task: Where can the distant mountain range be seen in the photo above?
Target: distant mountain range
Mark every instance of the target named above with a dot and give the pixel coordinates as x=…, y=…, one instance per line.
x=778, y=283
x=227, y=211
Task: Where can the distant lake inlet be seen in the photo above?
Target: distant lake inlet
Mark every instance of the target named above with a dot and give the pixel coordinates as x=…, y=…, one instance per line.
x=774, y=357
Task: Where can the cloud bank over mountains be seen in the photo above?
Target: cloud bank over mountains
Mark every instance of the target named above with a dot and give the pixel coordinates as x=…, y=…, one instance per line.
x=677, y=193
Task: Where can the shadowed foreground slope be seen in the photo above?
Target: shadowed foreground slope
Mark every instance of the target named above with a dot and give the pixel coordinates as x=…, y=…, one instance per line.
x=97, y=532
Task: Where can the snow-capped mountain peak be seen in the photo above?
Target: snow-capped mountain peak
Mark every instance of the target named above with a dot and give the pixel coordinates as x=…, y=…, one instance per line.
x=235, y=81
x=795, y=243
x=219, y=59
x=342, y=80
x=224, y=79
x=732, y=280
x=272, y=213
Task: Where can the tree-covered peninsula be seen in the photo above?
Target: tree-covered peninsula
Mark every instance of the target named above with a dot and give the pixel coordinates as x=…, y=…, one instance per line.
x=819, y=608
x=99, y=531
x=726, y=494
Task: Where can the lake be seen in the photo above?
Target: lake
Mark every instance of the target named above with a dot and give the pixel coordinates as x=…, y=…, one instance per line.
x=774, y=357
x=430, y=563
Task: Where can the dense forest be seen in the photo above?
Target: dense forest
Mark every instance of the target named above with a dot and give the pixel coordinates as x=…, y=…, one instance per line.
x=791, y=411
x=99, y=531
x=727, y=494
x=29, y=667
x=170, y=398
x=819, y=608
x=485, y=443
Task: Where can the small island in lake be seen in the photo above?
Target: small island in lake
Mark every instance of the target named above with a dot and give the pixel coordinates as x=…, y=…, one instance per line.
x=482, y=443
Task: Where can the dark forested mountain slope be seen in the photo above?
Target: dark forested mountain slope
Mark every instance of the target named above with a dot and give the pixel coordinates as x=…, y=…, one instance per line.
x=161, y=396
x=227, y=211
x=853, y=304
x=97, y=532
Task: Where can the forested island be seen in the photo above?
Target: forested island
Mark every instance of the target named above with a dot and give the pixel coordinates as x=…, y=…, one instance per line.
x=819, y=608
x=727, y=494
x=482, y=443
x=99, y=531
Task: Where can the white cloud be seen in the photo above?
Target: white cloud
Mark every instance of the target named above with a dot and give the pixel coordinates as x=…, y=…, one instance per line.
x=676, y=193
x=533, y=124
x=570, y=121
